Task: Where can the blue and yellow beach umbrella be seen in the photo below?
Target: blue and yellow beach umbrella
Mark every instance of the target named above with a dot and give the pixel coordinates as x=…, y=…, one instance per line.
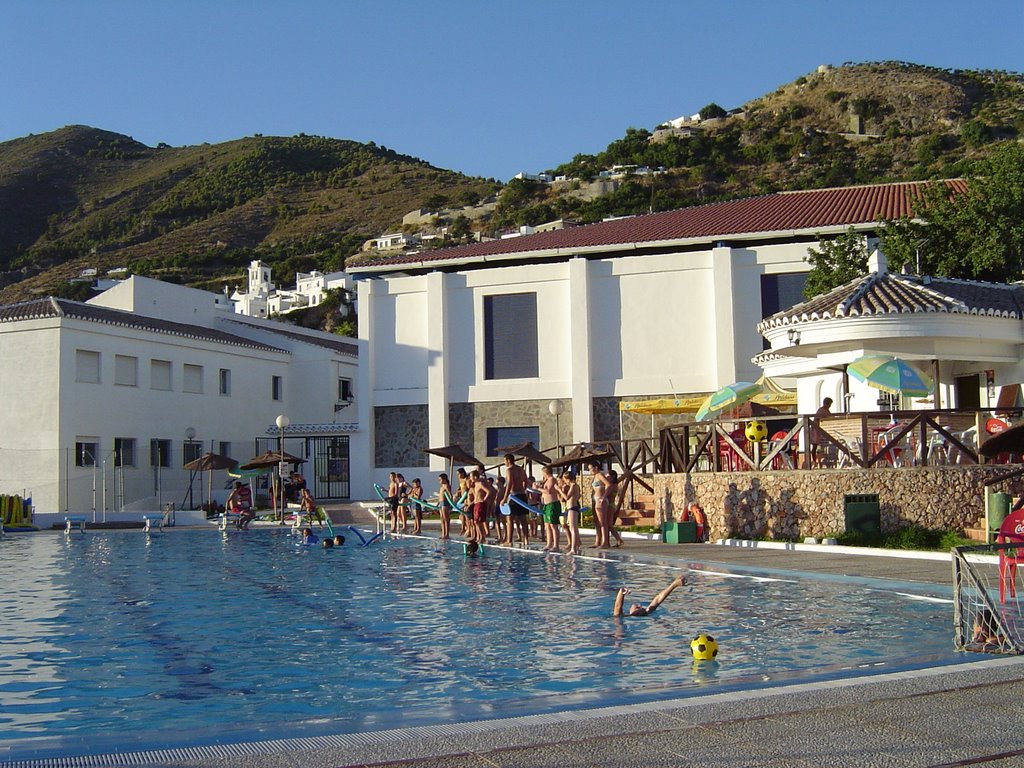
x=891, y=374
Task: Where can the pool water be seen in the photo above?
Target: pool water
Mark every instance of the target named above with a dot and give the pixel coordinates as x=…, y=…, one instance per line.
x=192, y=637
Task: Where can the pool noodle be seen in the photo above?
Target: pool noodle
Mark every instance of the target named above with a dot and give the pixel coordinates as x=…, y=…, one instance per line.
x=365, y=542
x=422, y=503
x=522, y=503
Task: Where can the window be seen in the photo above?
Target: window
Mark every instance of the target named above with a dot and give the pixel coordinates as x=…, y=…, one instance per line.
x=87, y=366
x=159, y=453
x=275, y=387
x=191, y=450
x=345, y=390
x=225, y=381
x=193, y=379
x=86, y=451
x=510, y=336
x=124, y=451
x=126, y=370
x=224, y=448
x=160, y=374
x=779, y=292
x=505, y=437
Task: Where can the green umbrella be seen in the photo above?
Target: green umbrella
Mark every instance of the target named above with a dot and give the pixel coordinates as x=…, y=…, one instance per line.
x=891, y=374
x=726, y=398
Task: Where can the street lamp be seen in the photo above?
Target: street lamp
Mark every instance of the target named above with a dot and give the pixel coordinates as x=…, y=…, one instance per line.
x=282, y=421
x=190, y=435
x=555, y=408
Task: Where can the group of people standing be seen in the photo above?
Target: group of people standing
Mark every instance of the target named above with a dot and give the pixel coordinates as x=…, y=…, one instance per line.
x=511, y=509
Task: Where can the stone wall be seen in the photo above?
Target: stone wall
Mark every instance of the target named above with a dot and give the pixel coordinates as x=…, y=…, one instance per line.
x=468, y=423
x=400, y=435
x=793, y=505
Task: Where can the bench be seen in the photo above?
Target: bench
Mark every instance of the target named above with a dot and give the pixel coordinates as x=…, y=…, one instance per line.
x=153, y=518
x=74, y=523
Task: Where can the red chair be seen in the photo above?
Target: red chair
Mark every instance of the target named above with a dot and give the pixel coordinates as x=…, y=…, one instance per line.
x=783, y=459
x=1010, y=532
x=995, y=426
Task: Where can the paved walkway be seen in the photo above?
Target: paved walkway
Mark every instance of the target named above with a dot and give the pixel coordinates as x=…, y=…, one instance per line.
x=972, y=714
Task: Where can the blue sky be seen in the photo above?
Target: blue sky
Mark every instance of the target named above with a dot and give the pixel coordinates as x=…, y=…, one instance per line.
x=487, y=87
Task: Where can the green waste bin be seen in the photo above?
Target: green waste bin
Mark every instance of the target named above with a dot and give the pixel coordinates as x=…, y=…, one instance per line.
x=998, y=509
x=862, y=514
x=679, y=533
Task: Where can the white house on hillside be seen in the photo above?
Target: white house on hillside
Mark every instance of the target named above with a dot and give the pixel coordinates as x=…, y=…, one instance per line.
x=109, y=398
x=263, y=299
x=472, y=344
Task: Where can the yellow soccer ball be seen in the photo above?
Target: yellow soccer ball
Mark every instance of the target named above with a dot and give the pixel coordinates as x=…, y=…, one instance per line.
x=756, y=431
x=704, y=648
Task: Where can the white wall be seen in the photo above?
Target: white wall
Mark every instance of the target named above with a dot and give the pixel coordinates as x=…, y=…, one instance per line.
x=31, y=387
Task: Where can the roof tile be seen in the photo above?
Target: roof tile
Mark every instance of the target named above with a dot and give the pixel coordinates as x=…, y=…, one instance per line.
x=805, y=210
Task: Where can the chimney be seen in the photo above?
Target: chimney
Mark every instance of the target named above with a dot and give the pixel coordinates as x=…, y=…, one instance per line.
x=877, y=262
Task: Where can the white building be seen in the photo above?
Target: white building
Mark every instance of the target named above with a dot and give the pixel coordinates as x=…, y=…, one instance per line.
x=263, y=298
x=471, y=344
x=968, y=336
x=108, y=399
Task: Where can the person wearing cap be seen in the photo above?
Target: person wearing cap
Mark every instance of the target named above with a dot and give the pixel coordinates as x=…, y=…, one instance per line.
x=569, y=493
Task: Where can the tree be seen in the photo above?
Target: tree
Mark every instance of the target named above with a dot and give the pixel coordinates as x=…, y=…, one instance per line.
x=977, y=235
x=835, y=262
x=434, y=203
x=461, y=229
x=712, y=110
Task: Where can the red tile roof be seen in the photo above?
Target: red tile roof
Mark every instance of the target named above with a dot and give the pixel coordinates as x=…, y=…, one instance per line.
x=885, y=293
x=781, y=212
x=54, y=307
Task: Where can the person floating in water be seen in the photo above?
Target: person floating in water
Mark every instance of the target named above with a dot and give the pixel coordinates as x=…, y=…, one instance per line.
x=308, y=537
x=639, y=610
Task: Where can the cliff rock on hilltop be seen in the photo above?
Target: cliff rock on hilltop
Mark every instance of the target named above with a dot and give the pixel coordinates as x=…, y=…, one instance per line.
x=854, y=124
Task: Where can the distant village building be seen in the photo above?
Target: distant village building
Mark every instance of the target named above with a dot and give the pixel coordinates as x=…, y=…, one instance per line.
x=263, y=299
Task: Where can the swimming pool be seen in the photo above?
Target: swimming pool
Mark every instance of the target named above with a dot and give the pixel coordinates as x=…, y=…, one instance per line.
x=126, y=641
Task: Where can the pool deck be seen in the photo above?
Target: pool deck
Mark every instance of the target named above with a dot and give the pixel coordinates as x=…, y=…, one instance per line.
x=969, y=714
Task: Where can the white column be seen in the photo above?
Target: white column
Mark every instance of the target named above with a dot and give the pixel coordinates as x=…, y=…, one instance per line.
x=437, y=368
x=366, y=394
x=723, y=315
x=580, y=381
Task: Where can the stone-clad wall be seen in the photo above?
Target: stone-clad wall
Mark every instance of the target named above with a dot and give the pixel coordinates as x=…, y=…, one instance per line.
x=400, y=435
x=793, y=505
x=468, y=422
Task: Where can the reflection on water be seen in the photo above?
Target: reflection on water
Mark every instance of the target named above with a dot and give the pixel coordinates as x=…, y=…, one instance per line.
x=197, y=629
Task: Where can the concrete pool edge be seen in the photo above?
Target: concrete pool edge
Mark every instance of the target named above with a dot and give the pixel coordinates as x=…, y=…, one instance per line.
x=418, y=742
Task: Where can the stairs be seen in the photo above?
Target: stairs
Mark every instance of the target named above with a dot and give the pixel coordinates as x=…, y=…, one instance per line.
x=641, y=511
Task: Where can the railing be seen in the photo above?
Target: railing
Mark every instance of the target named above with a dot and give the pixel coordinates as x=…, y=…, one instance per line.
x=898, y=438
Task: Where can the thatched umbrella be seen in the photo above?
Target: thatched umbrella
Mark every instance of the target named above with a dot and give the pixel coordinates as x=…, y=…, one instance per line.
x=1008, y=441
x=583, y=454
x=269, y=459
x=208, y=462
x=455, y=454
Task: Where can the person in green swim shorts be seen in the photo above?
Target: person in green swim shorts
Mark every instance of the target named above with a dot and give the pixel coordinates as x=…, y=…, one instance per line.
x=551, y=508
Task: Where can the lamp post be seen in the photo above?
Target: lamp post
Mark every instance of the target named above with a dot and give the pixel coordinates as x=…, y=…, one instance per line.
x=190, y=434
x=555, y=408
x=282, y=421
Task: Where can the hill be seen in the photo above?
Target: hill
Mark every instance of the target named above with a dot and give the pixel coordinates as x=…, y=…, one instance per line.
x=854, y=124
x=81, y=197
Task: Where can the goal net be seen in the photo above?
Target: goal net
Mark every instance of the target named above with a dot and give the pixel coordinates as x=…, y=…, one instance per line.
x=988, y=598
